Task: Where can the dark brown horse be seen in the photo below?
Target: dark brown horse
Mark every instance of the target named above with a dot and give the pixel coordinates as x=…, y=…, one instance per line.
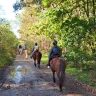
x=58, y=65
x=37, y=58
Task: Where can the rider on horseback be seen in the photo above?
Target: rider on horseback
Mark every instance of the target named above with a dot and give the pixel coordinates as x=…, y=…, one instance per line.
x=55, y=51
x=34, y=49
x=25, y=51
x=20, y=49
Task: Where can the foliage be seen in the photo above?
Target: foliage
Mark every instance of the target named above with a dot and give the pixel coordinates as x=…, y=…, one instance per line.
x=8, y=44
x=17, y=6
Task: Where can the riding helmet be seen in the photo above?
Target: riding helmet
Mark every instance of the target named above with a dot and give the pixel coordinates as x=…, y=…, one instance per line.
x=35, y=43
x=54, y=42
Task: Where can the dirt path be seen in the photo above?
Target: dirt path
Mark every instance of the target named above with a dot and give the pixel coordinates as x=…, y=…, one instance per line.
x=24, y=79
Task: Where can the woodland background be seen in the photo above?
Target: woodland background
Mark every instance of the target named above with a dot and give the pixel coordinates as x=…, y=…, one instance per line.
x=71, y=22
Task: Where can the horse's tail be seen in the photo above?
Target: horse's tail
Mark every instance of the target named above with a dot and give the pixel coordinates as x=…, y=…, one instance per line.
x=62, y=72
x=39, y=57
x=40, y=54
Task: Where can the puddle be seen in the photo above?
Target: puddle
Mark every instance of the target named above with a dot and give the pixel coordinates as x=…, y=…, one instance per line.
x=18, y=72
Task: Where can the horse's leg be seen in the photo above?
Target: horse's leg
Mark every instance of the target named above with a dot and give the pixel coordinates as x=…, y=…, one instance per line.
x=54, y=77
x=60, y=80
x=38, y=61
x=35, y=63
x=60, y=84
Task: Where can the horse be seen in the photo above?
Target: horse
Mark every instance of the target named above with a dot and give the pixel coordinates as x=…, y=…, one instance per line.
x=20, y=51
x=37, y=58
x=58, y=65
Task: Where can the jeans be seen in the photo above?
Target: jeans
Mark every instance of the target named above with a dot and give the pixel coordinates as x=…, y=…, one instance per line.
x=33, y=53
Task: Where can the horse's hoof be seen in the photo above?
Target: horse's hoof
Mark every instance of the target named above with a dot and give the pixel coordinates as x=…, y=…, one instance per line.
x=60, y=90
x=35, y=65
x=54, y=80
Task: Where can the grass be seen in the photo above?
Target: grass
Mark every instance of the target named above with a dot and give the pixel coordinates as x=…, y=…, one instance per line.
x=44, y=59
x=81, y=76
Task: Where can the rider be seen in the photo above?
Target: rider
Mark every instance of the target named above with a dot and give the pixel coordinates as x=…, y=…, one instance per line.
x=20, y=46
x=34, y=49
x=25, y=51
x=55, y=51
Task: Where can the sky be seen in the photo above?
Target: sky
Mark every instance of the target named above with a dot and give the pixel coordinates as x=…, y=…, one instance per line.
x=9, y=14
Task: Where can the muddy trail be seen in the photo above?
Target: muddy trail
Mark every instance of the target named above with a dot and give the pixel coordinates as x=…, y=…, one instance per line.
x=24, y=79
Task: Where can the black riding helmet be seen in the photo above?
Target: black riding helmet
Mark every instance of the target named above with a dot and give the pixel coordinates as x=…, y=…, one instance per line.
x=54, y=42
x=35, y=43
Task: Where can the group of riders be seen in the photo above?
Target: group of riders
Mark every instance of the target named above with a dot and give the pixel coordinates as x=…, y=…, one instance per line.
x=22, y=50
x=55, y=51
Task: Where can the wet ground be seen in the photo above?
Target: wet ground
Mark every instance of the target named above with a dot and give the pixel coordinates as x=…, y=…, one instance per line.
x=24, y=79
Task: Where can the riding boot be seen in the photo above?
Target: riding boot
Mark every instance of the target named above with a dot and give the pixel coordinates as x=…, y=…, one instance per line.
x=49, y=63
x=32, y=54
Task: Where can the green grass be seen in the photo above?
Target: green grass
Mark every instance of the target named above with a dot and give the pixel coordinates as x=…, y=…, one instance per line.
x=44, y=59
x=82, y=76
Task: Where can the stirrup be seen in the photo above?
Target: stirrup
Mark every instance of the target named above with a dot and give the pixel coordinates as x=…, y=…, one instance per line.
x=48, y=67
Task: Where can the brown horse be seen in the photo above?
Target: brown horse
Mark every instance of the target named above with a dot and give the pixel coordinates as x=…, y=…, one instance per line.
x=58, y=65
x=37, y=58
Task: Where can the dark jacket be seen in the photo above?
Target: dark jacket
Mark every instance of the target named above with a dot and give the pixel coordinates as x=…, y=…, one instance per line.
x=55, y=51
